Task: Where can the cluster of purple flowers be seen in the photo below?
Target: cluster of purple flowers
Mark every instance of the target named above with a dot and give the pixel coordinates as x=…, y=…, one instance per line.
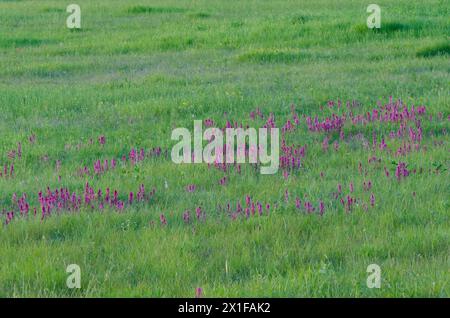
x=406, y=137
x=401, y=171
x=7, y=171
x=134, y=157
x=63, y=200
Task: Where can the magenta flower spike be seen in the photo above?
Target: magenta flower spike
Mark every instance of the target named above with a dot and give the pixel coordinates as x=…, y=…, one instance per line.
x=247, y=200
x=130, y=198
x=163, y=219
x=101, y=140
x=298, y=203
x=260, y=208
x=372, y=200
x=321, y=207
x=186, y=216
x=198, y=292
x=198, y=212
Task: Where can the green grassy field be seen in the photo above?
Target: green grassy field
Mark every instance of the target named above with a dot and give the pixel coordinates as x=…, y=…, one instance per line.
x=138, y=69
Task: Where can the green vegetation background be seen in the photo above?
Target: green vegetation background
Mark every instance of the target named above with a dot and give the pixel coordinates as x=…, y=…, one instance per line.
x=137, y=69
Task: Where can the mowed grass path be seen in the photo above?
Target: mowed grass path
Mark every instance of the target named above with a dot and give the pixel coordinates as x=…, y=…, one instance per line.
x=137, y=69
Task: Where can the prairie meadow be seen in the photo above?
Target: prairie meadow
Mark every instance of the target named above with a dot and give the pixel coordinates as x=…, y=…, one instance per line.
x=87, y=178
